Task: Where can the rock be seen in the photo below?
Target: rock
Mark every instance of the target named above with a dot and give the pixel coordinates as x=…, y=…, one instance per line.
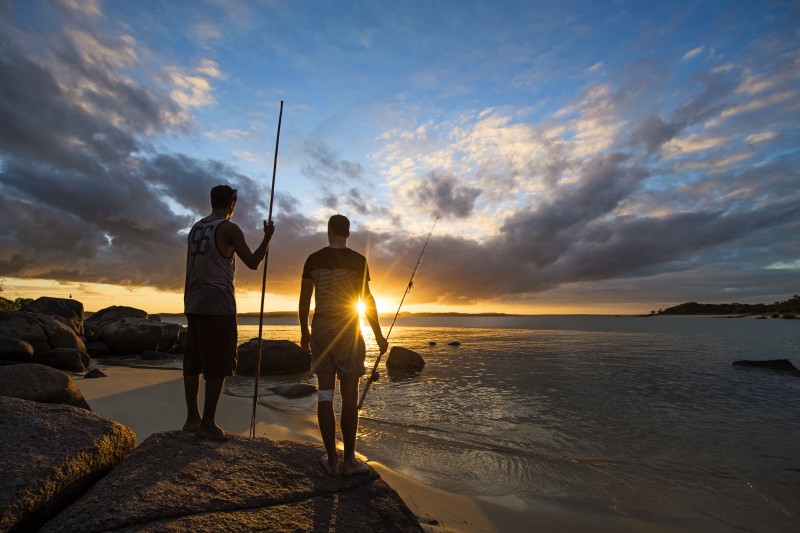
x=400, y=357
x=42, y=332
x=69, y=311
x=454, y=343
x=432, y=343
x=152, y=355
x=94, y=373
x=97, y=349
x=180, y=347
x=789, y=317
x=294, y=390
x=39, y=383
x=277, y=357
x=174, y=482
x=69, y=359
x=136, y=335
x=49, y=456
x=779, y=365
x=94, y=322
x=16, y=350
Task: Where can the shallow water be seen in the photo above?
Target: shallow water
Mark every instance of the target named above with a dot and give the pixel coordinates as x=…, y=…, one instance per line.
x=644, y=417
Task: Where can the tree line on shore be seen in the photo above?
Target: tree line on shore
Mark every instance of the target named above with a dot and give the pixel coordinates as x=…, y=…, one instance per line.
x=786, y=307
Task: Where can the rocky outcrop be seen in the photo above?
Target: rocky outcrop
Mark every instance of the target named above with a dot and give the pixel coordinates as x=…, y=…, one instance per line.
x=42, y=332
x=49, y=456
x=111, y=314
x=40, y=383
x=16, y=350
x=69, y=311
x=277, y=357
x=130, y=335
x=175, y=482
x=403, y=358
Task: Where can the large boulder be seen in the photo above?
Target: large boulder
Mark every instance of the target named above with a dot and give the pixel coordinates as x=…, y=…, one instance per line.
x=42, y=332
x=68, y=311
x=403, y=358
x=16, y=350
x=136, y=335
x=50, y=455
x=277, y=357
x=94, y=322
x=173, y=482
x=39, y=383
x=69, y=359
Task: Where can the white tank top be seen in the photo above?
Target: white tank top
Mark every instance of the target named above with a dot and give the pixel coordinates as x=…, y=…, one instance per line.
x=209, y=274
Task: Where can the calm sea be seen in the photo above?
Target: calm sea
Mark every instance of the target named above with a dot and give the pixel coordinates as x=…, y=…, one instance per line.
x=641, y=417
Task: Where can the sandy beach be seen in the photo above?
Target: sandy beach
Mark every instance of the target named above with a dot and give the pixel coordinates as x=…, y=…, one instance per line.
x=151, y=400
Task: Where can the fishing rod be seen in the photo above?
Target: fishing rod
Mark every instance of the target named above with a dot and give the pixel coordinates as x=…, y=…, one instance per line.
x=374, y=375
x=264, y=281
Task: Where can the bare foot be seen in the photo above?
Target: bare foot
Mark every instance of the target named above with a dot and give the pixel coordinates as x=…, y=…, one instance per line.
x=332, y=469
x=214, y=433
x=191, y=425
x=354, y=469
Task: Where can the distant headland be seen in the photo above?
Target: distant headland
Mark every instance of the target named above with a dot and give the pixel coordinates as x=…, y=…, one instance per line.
x=790, y=307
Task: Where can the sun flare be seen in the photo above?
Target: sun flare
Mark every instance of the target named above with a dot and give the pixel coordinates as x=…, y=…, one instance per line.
x=361, y=307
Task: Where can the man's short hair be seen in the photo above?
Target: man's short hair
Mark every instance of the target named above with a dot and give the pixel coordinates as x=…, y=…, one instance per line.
x=339, y=225
x=222, y=196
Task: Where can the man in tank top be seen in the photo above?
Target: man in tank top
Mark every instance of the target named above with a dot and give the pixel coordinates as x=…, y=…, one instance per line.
x=340, y=277
x=210, y=307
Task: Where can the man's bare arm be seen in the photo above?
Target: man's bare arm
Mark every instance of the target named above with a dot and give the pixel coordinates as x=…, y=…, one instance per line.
x=306, y=290
x=235, y=239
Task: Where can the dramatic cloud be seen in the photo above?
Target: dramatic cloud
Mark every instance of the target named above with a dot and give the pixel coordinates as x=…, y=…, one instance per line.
x=661, y=175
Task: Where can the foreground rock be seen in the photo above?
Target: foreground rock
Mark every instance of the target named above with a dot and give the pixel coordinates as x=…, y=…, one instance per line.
x=175, y=482
x=125, y=335
x=277, y=357
x=39, y=383
x=403, y=358
x=49, y=456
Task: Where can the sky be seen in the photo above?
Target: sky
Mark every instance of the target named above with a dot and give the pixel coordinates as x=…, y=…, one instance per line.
x=581, y=156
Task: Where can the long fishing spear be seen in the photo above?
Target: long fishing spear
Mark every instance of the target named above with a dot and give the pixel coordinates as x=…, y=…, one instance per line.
x=373, y=375
x=264, y=281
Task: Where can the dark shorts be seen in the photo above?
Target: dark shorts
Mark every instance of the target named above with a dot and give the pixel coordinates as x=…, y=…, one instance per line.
x=211, y=346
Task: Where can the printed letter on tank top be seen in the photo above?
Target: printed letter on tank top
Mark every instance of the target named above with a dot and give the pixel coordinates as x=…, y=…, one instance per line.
x=209, y=274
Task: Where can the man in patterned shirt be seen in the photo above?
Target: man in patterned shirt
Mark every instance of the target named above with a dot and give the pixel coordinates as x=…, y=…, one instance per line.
x=340, y=277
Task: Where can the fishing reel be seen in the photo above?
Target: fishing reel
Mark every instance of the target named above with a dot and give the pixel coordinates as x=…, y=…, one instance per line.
x=375, y=376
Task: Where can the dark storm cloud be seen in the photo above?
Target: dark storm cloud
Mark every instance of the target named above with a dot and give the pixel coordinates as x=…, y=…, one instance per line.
x=82, y=195
x=443, y=195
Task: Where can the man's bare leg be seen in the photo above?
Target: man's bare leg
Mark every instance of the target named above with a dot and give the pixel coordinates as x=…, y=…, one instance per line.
x=208, y=427
x=191, y=389
x=349, y=422
x=327, y=425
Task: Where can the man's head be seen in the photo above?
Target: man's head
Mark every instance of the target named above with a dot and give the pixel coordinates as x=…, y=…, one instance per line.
x=222, y=197
x=339, y=225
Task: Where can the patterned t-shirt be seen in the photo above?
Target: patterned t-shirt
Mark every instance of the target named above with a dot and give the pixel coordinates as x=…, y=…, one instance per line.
x=340, y=276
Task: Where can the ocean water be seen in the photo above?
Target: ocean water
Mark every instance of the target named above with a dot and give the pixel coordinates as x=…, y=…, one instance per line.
x=640, y=417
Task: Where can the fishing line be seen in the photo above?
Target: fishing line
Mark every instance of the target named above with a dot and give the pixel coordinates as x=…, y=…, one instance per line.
x=264, y=281
x=373, y=375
